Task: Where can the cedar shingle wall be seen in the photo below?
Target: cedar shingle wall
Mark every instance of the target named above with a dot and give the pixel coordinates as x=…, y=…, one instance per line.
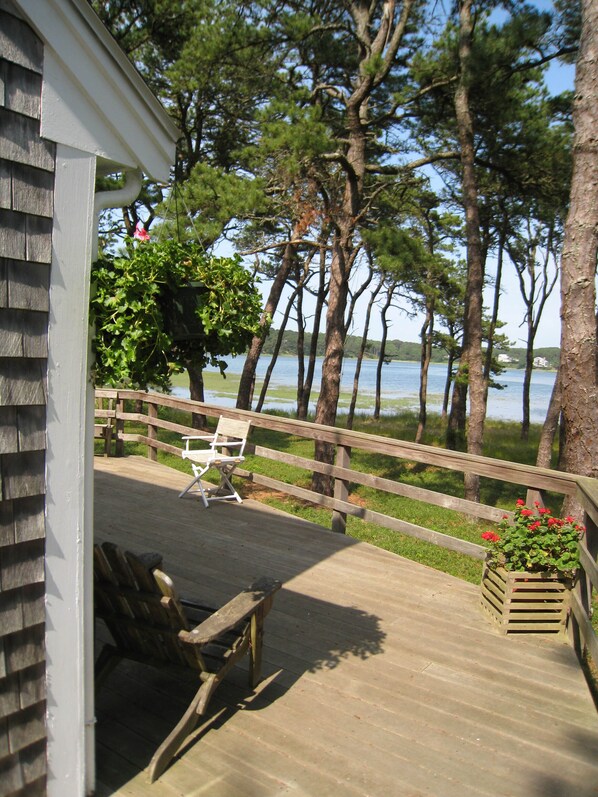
x=26, y=208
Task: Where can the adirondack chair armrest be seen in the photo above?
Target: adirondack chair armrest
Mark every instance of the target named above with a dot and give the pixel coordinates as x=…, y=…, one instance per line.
x=150, y=559
x=241, y=607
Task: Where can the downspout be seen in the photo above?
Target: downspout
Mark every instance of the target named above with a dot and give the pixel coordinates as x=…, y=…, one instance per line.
x=116, y=198
x=103, y=200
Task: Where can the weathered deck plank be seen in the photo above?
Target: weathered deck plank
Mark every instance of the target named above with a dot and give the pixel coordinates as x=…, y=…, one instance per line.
x=383, y=677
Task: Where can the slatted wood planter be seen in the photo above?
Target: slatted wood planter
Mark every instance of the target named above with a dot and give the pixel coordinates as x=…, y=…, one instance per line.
x=526, y=602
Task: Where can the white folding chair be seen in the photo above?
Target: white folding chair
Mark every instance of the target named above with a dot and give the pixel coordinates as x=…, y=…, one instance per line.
x=230, y=435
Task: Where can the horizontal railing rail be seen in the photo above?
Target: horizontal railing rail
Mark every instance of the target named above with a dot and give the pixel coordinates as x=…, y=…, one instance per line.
x=112, y=414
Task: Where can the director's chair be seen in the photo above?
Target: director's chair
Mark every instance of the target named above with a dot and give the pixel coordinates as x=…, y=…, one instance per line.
x=230, y=434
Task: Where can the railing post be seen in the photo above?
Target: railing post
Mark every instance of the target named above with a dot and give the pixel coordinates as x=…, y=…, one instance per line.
x=341, y=489
x=583, y=589
x=535, y=495
x=152, y=432
x=119, y=445
x=108, y=431
x=591, y=536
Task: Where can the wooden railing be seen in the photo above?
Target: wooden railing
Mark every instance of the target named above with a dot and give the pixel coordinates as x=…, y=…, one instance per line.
x=112, y=414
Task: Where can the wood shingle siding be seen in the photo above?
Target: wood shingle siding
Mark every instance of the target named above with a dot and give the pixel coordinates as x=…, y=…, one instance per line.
x=26, y=211
x=18, y=43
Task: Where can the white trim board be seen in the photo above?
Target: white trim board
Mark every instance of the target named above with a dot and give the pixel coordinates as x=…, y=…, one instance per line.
x=93, y=99
x=69, y=475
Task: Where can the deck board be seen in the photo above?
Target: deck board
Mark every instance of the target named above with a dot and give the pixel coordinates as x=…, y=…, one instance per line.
x=382, y=676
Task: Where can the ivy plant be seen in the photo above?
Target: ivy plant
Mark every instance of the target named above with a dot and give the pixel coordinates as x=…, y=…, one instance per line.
x=131, y=294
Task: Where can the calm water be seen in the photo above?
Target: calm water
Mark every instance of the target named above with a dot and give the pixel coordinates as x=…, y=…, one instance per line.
x=400, y=380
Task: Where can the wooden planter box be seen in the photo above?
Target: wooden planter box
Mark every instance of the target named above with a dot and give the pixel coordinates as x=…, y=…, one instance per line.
x=526, y=602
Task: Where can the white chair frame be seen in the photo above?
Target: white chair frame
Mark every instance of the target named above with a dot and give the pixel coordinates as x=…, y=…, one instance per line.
x=230, y=434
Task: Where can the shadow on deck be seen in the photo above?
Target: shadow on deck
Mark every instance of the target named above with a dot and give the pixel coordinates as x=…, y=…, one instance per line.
x=382, y=676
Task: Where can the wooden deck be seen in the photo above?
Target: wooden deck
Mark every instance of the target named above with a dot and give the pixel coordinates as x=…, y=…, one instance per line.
x=383, y=678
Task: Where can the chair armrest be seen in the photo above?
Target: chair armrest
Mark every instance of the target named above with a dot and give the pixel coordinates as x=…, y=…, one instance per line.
x=188, y=437
x=151, y=559
x=229, y=443
x=236, y=610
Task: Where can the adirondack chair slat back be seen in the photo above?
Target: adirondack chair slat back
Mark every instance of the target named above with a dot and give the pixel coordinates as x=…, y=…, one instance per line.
x=143, y=621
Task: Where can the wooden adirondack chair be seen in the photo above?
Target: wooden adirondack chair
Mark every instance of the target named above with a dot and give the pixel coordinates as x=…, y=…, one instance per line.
x=151, y=624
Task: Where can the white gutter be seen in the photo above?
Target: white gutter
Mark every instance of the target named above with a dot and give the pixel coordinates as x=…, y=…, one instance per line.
x=117, y=198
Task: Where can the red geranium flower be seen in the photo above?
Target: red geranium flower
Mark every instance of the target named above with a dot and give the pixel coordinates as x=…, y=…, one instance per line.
x=490, y=536
x=526, y=513
x=520, y=502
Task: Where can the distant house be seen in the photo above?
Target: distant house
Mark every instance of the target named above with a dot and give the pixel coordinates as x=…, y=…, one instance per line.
x=71, y=107
x=541, y=362
x=505, y=359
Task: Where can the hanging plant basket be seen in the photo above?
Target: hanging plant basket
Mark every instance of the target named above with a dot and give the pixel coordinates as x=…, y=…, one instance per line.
x=519, y=602
x=179, y=310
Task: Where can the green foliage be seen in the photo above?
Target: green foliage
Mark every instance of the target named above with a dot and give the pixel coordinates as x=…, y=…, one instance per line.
x=133, y=344
x=535, y=541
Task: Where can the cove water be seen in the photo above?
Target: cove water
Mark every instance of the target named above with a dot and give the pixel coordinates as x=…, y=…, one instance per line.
x=400, y=380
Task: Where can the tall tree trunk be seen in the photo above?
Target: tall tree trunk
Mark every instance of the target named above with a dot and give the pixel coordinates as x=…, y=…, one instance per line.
x=300, y=352
x=303, y=400
x=471, y=363
x=427, y=333
x=338, y=292
x=579, y=344
x=381, y=355
x=527, y=383
x=247, y=381
x=196, y=392
x=447, y=385
x=360, y=355
x=544, y=455
x=535, y=295
x=334, y=346
x=495, y=308
x=456, y=439
x=275, y=353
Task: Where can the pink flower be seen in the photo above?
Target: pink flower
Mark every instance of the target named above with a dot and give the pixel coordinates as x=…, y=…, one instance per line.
x=490, y=536
x=141, y=233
